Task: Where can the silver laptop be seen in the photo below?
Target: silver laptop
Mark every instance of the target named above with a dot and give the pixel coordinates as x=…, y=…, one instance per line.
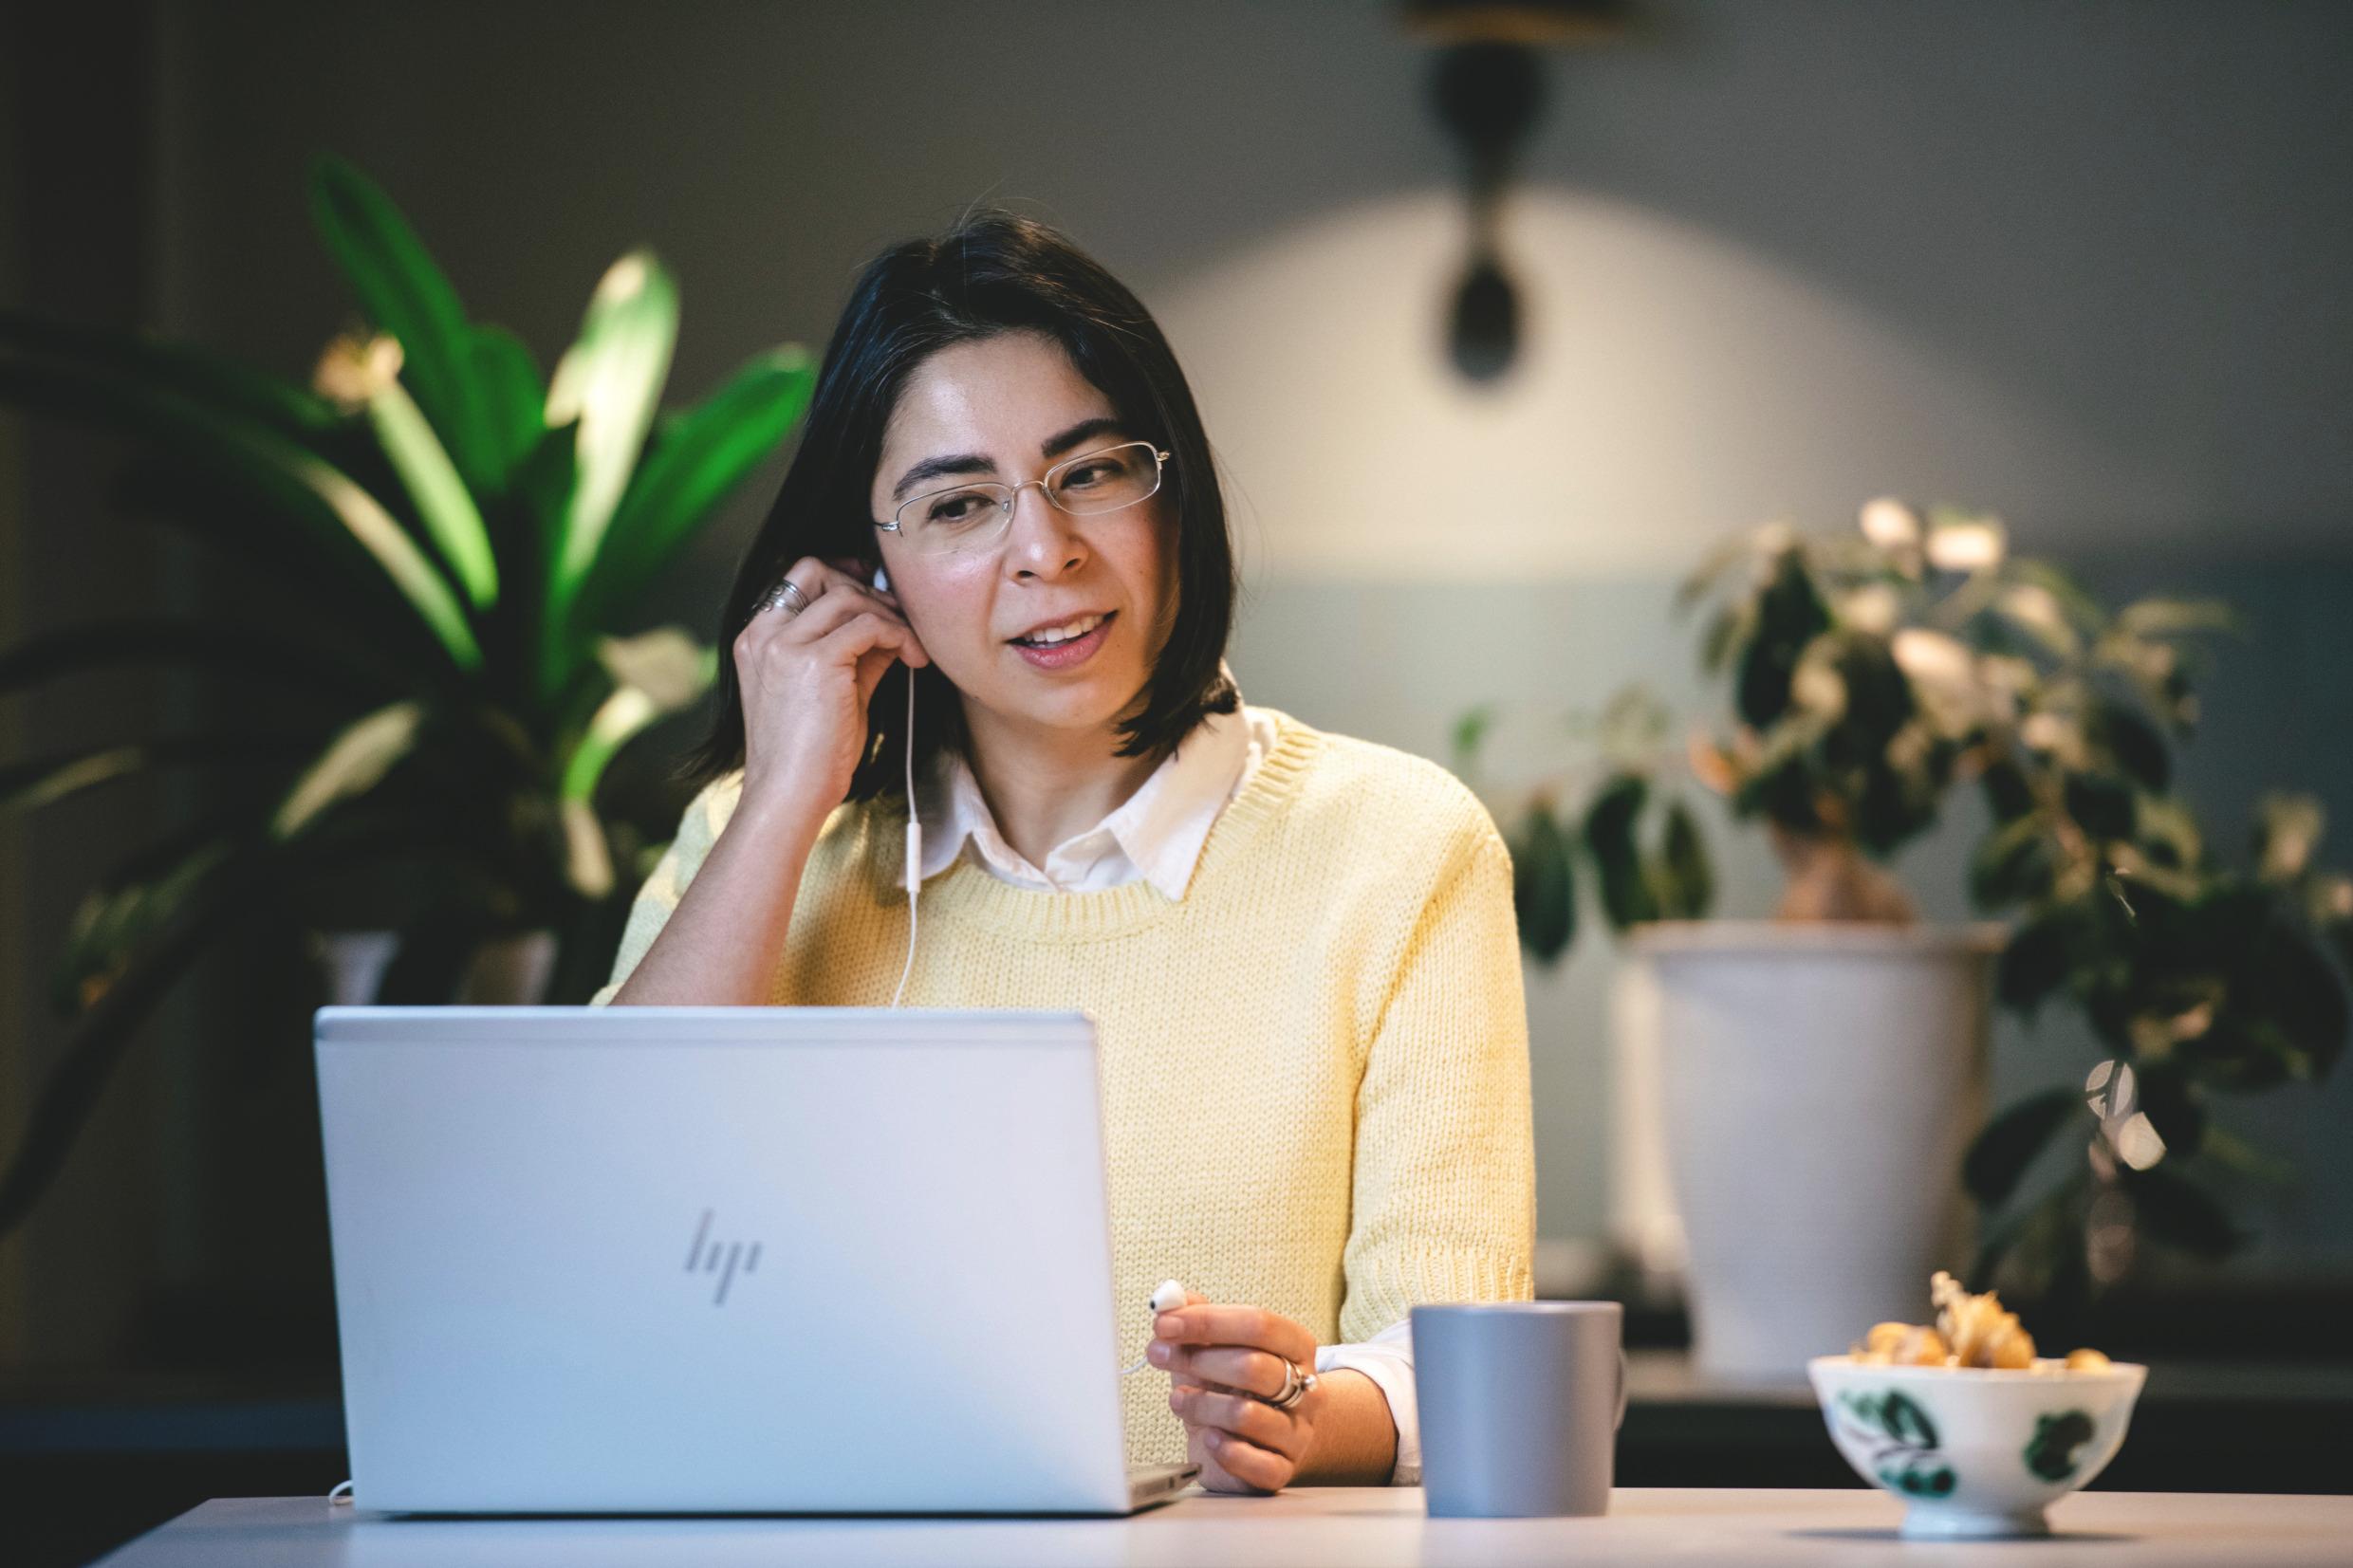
x=725, y=1260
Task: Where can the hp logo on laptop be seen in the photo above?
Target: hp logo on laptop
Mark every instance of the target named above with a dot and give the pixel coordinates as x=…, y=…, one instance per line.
x=720, y=1257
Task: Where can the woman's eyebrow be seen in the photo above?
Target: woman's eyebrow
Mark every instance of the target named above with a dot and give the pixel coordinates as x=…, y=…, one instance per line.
x=970, y=462
x=1055, y=446
x=933, y=467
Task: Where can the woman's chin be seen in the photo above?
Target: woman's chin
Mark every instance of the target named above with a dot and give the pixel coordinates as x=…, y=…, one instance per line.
x=1088, y=701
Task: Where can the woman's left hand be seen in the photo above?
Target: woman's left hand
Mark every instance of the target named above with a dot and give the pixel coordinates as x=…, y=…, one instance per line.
x=1220, y=1360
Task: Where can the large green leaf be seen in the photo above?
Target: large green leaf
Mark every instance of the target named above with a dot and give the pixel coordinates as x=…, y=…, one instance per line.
x=1789, y=615
x=610, y=382
x=32, y=785
x=353, y=764
x=1686, y=879
x=621, y=716
x=329, y=509
x=1544, y=891
x=402, y=291
x=656, y=674
x=2136, y=746
x=2013, y=864
x=1627, y=897
x=451, y=520
x=2008, y=794
x=2102, y=805
x=2295, y=984
x=1999, y=1155
x=707, y=452
x=212, y=379
x=515, y=402
x=2038, y=958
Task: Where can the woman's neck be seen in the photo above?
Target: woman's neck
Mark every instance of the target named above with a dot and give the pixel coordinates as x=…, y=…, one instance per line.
x=1044, y=785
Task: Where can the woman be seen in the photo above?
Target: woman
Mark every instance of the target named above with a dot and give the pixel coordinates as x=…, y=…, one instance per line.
x=1298, y=948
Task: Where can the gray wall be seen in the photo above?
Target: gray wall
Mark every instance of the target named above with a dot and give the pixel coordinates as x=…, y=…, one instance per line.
x=2080, y=264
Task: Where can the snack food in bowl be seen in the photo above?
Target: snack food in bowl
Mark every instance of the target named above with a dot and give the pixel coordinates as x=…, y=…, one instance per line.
x=1964, y=1422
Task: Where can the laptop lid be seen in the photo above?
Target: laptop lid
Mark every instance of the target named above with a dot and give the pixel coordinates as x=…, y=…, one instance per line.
x=721, y=1259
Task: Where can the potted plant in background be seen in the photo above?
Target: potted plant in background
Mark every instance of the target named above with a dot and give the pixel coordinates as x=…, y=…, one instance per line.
x=455, y=551
x=1823, y=1074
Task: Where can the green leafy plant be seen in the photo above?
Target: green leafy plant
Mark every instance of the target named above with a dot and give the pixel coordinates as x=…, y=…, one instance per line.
x=1637, y=843
x=2202, y=979
x=1869, y=676
x=458, y=548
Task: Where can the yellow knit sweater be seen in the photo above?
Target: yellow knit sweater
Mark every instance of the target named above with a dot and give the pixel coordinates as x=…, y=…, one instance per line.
x=1314, y=1066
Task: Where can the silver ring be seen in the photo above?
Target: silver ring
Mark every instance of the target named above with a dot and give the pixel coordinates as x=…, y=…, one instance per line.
x=787, y=597
x=1295, y=1386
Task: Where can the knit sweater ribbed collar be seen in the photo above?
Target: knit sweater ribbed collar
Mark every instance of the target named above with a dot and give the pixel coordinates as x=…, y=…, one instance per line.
x=965, y=892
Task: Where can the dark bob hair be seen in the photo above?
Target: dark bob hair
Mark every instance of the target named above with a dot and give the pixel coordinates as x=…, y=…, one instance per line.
x=991, y=273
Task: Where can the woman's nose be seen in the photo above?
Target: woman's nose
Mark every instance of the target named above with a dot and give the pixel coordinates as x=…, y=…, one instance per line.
x=1039, y=540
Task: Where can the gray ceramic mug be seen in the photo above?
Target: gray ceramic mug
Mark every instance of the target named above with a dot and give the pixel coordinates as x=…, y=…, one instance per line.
x=1520, y=1407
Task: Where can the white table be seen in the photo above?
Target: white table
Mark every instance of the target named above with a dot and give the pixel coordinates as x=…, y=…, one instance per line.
x=1353, y=1527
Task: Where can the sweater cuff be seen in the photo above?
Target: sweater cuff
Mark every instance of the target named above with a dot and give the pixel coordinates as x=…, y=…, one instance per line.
x=1385, y=1288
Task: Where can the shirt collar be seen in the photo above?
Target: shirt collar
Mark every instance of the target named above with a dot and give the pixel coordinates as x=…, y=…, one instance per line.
x=1160, y=829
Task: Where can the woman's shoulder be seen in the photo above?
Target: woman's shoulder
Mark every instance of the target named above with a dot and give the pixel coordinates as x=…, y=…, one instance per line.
x=1380, y=793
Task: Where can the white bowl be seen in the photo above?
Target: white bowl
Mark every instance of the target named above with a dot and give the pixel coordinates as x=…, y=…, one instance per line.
x=1975, y=1452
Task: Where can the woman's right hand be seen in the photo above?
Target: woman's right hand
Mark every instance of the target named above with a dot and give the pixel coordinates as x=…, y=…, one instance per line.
x=806, y=680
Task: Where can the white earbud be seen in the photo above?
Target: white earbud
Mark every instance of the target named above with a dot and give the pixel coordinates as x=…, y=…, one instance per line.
x=1167, y=1299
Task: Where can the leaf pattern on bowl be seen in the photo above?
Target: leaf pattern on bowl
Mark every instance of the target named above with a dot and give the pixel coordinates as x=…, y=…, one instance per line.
x=1902, y=1438
x=2055, y=1451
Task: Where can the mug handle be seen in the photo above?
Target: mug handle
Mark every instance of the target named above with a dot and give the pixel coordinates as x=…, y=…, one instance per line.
x=1618, y=1425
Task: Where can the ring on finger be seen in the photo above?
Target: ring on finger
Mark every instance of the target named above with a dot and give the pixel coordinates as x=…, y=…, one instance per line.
x=787, y=597
x=1295, y=1386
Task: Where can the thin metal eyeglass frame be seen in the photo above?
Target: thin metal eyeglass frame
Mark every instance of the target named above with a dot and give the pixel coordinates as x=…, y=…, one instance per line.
x=1045, y=484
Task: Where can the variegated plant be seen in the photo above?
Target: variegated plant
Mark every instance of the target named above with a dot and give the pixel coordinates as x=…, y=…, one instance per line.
x=1871, y=673
x=461, y=548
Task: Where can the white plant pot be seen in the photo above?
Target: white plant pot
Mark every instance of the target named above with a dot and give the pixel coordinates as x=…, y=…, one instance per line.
x=504, y=972
x=1820, y=1084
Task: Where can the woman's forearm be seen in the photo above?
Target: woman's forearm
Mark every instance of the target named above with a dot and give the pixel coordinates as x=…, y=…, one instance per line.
x=721, y=946
x=1355, y=1438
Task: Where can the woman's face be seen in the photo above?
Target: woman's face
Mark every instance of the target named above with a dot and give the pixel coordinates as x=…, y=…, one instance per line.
x=1008, y=408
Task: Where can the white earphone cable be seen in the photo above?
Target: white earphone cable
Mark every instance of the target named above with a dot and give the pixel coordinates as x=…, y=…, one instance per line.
x=915, y=842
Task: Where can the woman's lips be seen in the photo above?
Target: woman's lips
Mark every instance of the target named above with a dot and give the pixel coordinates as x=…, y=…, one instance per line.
x=1061, y=656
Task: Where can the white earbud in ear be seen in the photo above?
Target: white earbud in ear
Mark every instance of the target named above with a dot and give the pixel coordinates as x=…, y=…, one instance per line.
x=882, y=580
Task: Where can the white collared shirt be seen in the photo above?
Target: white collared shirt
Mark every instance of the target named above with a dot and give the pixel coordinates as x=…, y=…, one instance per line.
x=1157, y=834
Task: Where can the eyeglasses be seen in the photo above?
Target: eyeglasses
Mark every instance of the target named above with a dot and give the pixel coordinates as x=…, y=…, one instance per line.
x=971, y=518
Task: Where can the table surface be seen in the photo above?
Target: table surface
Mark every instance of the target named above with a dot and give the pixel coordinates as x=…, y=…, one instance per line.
x=1361, y=1528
